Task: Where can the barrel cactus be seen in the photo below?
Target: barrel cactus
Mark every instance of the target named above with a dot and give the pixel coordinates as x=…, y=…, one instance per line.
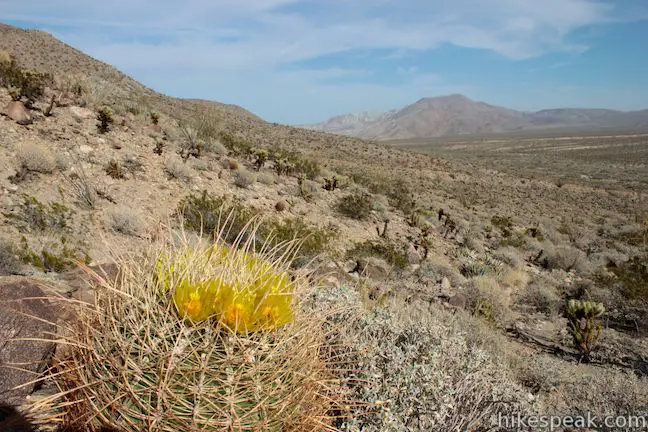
x=197, y=337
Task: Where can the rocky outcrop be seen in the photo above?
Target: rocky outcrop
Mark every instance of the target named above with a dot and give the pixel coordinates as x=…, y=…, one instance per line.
x=27, y=326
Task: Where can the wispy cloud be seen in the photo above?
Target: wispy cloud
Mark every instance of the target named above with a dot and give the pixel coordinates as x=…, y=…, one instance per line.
x=166, y=41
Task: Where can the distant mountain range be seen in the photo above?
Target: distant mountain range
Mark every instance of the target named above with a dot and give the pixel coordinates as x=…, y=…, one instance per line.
x=456, y=115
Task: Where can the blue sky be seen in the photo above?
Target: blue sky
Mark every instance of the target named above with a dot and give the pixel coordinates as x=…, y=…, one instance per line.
x=303, y=61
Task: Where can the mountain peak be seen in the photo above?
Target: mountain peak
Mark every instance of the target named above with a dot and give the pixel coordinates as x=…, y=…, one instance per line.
x=457, y=114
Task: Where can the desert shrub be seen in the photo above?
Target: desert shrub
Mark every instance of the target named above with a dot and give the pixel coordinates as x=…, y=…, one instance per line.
x=28, y=84
x=308, y=189
x=105, y=119
x=633, y=275
x=33, y=215
x=312, y=240
x=435, y=268
x=125, y=220
x=415, y=372
x=357, y=205
x=309, y=168
x=115, y=170
x=235, y=145
x=541, y=295
x=398, y=192
x=509, y=255
x=216, y=147
x=203, y=375
x=244, y=178
x=155, y=117
x=36, y=158
x=587, y=389
x=385, y=248
x=266, y=178
x=83, y=189
x=207, y=213
x=565, y=258
x=9, y=258
x=503, y=223
x=175, y=169
x=54, y=256
x=487, y=299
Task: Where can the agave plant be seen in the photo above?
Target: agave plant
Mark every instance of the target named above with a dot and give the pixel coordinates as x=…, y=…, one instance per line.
x=583, y=325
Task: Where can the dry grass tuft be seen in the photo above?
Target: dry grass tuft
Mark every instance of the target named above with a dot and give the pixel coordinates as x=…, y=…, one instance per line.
x=125, y=221
x=37, y=158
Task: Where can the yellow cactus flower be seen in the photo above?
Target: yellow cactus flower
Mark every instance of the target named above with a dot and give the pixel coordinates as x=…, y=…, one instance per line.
x=241, y=289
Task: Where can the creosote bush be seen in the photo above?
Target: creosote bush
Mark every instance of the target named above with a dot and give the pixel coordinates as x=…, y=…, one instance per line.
x=33, y=215
x=357, y=205
x=384, y=248
x=138, y=362
x=206, y=213
x=312, y=240
x=54, y=256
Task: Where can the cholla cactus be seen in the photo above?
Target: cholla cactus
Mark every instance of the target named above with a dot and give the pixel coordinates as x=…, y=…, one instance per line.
x=14, y=92
x=282, y=166
x=583, y=325
x=260, y=158
x=105, y=118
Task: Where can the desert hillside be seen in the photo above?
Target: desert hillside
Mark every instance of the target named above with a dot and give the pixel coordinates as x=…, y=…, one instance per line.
x=444, y=289
x=457, y=115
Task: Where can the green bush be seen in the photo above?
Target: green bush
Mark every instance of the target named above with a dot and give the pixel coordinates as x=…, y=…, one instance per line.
x=313, y=240
x=384, y=248
x=633, y=275
x=33, y=215
x=357, y=205
x=54, y=257
x=504, y=224
x=27, y=84
x=206, y=213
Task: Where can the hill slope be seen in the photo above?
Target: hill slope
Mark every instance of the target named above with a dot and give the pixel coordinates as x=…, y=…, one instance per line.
x=456, y=114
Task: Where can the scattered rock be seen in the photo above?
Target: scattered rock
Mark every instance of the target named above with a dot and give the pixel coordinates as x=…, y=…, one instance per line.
x=21, y=361
x=458, y=301
x=17, y=112
x=85, y=149
x=413, y=256
x=374, y=268
x=80, y=113
x=445, y=284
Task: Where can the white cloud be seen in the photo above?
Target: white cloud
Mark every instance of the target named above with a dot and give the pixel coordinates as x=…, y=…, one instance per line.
x=242, y=46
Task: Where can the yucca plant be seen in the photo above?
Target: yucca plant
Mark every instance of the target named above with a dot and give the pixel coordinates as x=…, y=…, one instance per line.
x=197, y=337
x=583, y=325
